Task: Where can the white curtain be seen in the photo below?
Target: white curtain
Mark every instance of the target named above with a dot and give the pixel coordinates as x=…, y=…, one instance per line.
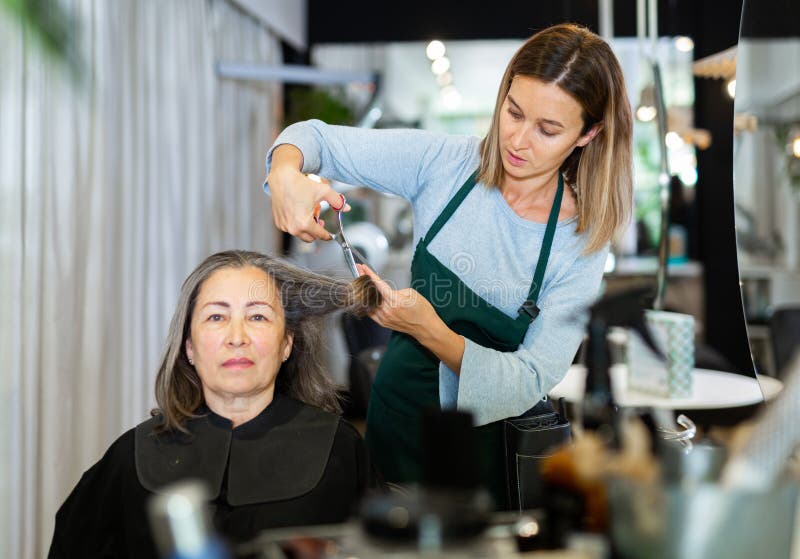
x=112, y=188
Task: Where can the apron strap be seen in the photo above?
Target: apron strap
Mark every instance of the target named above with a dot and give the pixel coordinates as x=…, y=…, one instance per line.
x=451, y=207
x=529, y=310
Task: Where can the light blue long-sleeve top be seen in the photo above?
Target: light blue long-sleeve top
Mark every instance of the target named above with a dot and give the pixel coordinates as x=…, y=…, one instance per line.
x=492, y=249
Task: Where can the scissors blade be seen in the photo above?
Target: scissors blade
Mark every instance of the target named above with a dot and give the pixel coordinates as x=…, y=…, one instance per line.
x=350, y=261
x=346, y=249
x=358, y=256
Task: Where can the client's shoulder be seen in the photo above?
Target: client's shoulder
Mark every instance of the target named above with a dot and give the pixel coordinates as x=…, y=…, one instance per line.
x=306, y=413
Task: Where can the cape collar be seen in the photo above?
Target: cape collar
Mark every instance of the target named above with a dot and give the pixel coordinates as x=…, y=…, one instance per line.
x=279, y=454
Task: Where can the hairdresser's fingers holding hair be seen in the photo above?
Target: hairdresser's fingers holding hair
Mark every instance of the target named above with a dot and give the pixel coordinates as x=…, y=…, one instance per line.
x=386, y=291
x=403, y=310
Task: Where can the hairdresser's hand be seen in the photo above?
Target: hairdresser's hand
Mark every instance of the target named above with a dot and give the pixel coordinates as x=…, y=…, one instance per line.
x=407, y=311
x=296, y=197
x=403, y=310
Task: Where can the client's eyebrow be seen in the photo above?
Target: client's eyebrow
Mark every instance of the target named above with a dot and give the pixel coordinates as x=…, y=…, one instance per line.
x=259, y=304
x=249, y=304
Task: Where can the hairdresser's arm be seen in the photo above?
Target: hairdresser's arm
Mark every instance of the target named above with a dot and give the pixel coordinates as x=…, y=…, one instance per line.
x=405, y=310
x=400, y=162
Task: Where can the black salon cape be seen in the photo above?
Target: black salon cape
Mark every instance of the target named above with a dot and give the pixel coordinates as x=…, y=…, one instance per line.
x=317, y=476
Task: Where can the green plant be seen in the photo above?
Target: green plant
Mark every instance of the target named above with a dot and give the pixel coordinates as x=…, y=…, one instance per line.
x=306, y=102
x=51, y=26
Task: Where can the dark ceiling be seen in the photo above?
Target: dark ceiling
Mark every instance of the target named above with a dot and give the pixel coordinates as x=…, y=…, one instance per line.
x=358, y=21
x=761, y=19
x=413, y=20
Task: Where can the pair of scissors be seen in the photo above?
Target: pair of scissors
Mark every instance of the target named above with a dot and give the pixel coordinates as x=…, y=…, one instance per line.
x=349, y=252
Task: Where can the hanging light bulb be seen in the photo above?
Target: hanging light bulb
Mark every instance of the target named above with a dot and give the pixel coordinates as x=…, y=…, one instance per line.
x=435, y=50
x=451, y=97
x=731, y=87
x=646, y=111
x=444, y=79
x=674, y=140
x=440, y=65
x=684, y=44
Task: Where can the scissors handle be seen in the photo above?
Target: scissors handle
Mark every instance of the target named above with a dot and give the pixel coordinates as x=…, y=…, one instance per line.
x=318, y=207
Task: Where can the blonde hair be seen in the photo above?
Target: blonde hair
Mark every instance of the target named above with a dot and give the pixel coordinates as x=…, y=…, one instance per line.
x=305, y=297
x=584, y=66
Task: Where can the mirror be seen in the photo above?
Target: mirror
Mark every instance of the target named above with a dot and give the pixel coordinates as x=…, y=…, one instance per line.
x=767, y=179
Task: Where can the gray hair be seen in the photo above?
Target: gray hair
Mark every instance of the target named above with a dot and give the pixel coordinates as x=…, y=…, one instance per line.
x=305, y=297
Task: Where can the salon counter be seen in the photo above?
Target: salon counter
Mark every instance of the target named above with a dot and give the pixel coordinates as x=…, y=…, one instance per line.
x=710, y=390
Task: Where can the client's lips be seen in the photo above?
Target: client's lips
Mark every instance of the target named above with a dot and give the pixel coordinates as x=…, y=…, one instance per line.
x=238, y=363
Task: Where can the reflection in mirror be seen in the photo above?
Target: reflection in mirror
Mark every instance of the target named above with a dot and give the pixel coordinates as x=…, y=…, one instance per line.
x=767, y=179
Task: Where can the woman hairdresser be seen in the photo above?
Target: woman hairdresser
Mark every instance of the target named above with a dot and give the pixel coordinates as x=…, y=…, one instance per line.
x=243, y=404
x=511, y=232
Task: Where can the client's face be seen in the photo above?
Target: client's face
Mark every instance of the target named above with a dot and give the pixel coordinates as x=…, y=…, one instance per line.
x=238, y=339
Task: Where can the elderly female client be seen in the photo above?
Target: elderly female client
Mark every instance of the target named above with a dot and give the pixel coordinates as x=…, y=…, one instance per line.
x=243, y=404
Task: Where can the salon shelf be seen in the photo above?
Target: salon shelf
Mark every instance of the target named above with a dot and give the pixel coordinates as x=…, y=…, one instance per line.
x=685, y=292
x=648, y=265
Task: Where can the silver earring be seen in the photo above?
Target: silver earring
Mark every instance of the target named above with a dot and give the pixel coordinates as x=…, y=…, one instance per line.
x=191, y=362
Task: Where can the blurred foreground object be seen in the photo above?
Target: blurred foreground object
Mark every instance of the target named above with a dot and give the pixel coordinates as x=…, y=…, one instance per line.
x=179, y=518
x=451, y=507
x=772, y=441
x=704, y=506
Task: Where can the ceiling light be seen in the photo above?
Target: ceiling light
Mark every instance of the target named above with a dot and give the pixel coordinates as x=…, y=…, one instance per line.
x=444, y=79
x=684, y=44
x=435, y=50
x=673, y=140
x=688, y=176
x=451, y=97
x=440, y=65
x=731, y=87
x=796, y=146
x=645, y=113
x=646, y=110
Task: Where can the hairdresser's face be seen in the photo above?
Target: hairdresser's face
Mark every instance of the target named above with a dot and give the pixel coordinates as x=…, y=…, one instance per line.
x=238, y=337
x=540, y=125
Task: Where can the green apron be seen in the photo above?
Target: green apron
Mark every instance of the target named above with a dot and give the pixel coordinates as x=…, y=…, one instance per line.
x=407, y=381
